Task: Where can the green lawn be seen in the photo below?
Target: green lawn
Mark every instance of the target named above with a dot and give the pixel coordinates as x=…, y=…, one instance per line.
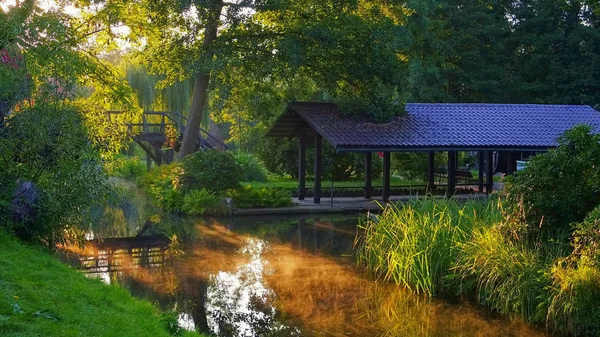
x=291, y=184
x=39, y=296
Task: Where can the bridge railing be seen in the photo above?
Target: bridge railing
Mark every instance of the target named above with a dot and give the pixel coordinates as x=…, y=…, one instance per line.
x=157, y=122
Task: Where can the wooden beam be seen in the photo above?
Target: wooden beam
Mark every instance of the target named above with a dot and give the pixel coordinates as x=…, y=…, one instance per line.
x=385, y=190
x=480, y=165
x=318, y=164
x=431, y=171
x=489, y=171
x=451, y=173
x=368, y=174
x=148, y=151
x=302, y=167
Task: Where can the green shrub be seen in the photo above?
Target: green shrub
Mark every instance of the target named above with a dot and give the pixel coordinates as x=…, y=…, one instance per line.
x=128, y=168
x=586, y=239
x=162, y=181
x=198, y=202
x=49, y=146
x=252, y=168
x=249, y=197
x=559, y=187
x=415, y=244
x=213, y=170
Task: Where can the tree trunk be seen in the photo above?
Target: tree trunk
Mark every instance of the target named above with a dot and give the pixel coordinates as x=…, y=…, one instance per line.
x=201, y=82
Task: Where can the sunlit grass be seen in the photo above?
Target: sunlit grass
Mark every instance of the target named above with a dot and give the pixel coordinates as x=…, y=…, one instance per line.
x=415, y=244
x=40, y=296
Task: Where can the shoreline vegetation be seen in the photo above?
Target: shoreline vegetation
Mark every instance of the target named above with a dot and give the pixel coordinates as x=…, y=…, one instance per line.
x=40, y=296
x=533, y=254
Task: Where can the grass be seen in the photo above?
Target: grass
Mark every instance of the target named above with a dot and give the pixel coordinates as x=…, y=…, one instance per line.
x=440, y=247
x=40, y=296
x=292, y=184
x=415, y=244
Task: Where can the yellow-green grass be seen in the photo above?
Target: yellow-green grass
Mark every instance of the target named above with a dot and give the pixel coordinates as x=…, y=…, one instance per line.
x=292, y=184
x=40, y=296
x=416, y=244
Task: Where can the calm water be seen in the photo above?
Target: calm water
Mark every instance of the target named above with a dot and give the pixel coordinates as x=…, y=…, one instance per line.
x=270, y=277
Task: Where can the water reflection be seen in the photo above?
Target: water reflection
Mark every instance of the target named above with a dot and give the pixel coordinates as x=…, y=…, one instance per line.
x=281, y=277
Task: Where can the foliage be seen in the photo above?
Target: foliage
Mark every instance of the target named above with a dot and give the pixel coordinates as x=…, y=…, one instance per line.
x=252, y=168
x=163, y=185
x=213, y=170
x=49, y=146
x=249, y=197
x=61, y=64
x=199, y=202
x=574, y=305
x=558, y=187
x=440, y=247
x=586, y=239
x=127, y=167
x=43, y=297
x=508, y=277
x=416, y=244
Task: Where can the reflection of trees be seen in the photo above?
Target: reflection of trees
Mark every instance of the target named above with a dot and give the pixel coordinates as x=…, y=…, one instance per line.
x=260, y=281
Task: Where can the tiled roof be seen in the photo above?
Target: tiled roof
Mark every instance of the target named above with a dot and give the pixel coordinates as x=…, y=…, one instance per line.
x=444, y=126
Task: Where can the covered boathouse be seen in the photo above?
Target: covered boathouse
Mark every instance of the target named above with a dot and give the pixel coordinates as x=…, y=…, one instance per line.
x=507, y=129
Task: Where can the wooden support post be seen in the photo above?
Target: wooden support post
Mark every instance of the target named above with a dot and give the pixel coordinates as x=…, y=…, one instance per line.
x=368, y=175
x=302, y=167
x=480, y=165
x=451, y=173
x=431, y=172
x=489, y=171
x=510, y=162
x=318, y=161
x=385, y=189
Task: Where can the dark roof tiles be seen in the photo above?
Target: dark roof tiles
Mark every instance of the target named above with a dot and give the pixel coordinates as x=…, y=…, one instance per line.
x=448, y=125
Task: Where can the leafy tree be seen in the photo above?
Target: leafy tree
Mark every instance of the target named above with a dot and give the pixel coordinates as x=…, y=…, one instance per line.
x=556, y=50
x=559, y=187
x=348, y=49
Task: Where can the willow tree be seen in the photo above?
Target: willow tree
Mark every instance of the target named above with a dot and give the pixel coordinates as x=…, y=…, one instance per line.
x=351, y=50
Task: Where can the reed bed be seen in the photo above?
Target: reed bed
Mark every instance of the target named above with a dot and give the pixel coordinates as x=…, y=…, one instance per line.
x=441, y=247
x=416, y=244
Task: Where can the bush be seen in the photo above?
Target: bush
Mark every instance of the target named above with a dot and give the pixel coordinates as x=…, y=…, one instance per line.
x=199, y=202
x=128, y=168
x=252, y=168
x=163, y=185
x=216, y=171
x=49, y=146
x=249, y=197
x=586, y=239
x=559, y=187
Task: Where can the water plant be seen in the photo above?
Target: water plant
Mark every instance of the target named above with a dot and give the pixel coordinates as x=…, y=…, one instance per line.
x=415, y=244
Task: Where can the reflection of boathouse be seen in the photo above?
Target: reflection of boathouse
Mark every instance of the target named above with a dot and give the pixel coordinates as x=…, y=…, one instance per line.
x=119, y=254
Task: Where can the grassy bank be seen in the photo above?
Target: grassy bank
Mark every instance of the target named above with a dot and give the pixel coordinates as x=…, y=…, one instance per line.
x=442, y=248
x=40, y=296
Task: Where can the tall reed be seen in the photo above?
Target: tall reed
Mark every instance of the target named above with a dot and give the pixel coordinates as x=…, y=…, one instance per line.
x=415, y=244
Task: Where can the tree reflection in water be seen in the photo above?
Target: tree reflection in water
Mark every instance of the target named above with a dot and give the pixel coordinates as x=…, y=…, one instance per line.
x=287, y=277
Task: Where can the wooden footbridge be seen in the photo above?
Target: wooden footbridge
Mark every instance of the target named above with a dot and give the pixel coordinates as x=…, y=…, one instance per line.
x=159, y=134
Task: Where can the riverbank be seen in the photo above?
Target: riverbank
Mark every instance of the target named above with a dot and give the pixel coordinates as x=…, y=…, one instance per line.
x=440, y=248
x=39, y=296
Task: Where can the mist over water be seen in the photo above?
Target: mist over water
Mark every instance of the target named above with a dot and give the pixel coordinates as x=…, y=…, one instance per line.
x=270, y=277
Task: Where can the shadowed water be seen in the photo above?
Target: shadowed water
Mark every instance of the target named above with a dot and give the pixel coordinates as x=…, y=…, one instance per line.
x=274, y=277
